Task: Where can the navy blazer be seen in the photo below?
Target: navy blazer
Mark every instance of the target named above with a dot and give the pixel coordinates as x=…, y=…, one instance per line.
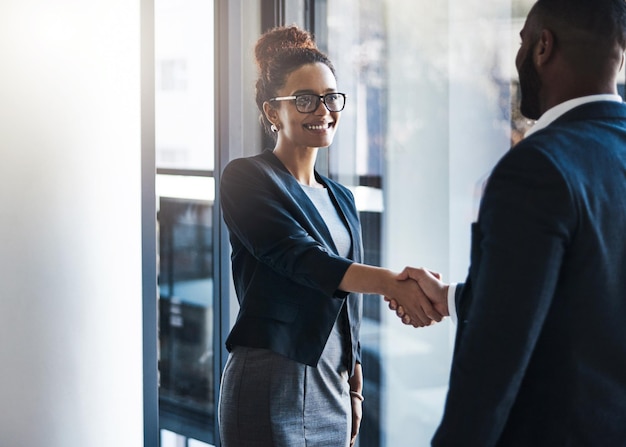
x=540, y=355
x=285, y=265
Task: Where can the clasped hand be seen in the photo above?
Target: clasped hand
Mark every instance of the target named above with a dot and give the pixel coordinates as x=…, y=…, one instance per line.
x=421, y=298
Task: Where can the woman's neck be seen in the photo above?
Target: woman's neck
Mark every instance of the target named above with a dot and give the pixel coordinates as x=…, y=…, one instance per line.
x=300, y=162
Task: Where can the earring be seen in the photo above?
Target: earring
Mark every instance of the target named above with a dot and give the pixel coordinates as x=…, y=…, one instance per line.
x=274, y=128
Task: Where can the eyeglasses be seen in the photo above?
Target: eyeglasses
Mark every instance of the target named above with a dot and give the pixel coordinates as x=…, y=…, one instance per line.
x=308, y=102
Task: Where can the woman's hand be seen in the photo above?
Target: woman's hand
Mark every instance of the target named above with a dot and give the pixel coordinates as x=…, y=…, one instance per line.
x=356, y=399
x=431, y=303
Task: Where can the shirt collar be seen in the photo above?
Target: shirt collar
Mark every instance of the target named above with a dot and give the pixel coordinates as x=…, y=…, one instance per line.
x=552, y=114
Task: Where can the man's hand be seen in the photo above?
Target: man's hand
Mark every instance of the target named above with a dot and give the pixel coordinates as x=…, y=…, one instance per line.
x=412, y=304
x=431, y=287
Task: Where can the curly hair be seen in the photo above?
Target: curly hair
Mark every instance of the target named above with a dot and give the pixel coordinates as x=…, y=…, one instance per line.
x=278, y=53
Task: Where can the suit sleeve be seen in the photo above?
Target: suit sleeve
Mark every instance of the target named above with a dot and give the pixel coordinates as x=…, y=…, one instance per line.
x=260, y=212
x=525, y=222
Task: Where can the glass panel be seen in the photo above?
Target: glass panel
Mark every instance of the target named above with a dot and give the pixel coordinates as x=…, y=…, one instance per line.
x=429, y=111
x=295, y=12
x=186, y=392
x=184, y=84
x=184, y=145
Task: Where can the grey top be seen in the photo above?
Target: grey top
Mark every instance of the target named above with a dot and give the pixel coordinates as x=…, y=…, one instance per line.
x=336, y=226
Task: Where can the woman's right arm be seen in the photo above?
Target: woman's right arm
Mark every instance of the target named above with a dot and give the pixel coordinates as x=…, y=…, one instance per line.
x=260, y=211
x=258, y=217
x=362, y=278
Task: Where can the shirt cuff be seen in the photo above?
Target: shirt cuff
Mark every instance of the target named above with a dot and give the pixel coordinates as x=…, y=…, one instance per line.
x=452, y=303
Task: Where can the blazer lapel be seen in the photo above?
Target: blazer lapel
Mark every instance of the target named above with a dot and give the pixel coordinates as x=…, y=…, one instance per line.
x=342, y=204
x=317, y=226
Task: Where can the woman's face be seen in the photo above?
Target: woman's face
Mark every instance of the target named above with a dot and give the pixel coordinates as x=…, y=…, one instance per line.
x=306, y=130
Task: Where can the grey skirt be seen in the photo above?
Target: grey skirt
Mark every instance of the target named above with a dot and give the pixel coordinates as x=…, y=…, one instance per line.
x=268, y=400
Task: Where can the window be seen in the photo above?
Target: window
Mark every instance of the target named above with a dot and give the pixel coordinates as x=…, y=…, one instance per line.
x=431, y=99
x=184, y=68
x=184, y=121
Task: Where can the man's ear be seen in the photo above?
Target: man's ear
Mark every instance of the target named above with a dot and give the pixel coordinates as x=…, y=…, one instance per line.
x=544, y=49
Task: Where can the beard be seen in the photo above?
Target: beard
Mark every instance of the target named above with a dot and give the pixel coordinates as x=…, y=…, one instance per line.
x=530, y=86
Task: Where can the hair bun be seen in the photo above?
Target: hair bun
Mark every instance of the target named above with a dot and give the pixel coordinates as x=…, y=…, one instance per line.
x=278, y=40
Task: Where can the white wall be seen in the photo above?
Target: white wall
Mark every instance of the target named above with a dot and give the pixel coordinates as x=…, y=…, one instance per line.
x=70, y=224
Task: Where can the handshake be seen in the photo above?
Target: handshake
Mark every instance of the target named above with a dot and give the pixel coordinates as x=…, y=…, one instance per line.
x=419, y=297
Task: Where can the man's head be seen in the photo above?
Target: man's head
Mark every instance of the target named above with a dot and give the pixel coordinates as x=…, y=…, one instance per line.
x=570, y=48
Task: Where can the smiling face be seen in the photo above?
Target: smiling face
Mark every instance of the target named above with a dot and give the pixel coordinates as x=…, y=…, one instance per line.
x=305, y=130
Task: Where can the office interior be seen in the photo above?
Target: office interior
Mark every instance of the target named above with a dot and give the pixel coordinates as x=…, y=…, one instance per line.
x=116, y=118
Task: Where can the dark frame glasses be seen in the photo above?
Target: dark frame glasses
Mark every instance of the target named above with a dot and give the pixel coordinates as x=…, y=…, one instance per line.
x=309, y=102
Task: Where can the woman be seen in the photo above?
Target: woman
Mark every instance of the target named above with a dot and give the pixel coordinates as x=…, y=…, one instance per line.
x=293, y=376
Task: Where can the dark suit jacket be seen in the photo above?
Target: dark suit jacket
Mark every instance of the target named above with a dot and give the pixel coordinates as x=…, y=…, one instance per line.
x=285, y=265
x=540, y=356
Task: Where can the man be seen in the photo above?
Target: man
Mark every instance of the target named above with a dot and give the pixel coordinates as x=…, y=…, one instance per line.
x=540, y=354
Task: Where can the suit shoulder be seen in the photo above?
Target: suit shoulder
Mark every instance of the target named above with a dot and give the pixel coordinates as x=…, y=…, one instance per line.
x=245, y=166
x=538, y=148
x=242, y=163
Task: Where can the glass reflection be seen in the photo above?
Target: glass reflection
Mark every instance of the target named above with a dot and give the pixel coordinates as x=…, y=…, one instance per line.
x=186, y=394
x=432, y=105
x=184, y=119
